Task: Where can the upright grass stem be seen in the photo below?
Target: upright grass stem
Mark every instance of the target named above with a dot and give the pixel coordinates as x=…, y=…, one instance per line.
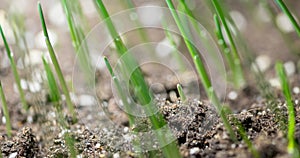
x=238, y=71
x=291, y=113
x=285, y=9
x=5, y=112
x=201, y=71
x=181, y=93
x=56, y=65
x=14, y=70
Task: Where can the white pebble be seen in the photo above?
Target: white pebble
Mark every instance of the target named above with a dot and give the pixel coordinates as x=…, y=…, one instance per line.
x=194, y=150
x=116, y=155
x=34, y=87
x=232, y=95
x=296, y=90
x=13, y=155
x=3, y=119
x=290, y=68
x=86, y=100
x=34, y=57
x=284, y=23
x=126, y=129
x=56, y=15
x=239, y=20
x=97, y=145
x=263, y=62
x=24, y=84
x=150, y=14
x=275, y=82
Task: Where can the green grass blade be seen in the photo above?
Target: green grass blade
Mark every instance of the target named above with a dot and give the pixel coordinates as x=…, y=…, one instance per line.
x=120, y=92
x=285, y=9
x=56, y=65
x=54, y=90
x=70, y=143
x=5, y=112
x=201, y=71
x=238, y=70
x=14, y=70
x=181, y=93
x=291, y=113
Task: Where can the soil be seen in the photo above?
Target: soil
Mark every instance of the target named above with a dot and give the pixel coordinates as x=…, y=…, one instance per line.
x=195, y=123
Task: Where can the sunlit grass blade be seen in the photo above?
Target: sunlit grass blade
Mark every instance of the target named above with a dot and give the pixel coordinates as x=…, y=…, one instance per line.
x=201, y=71
x=56, y=65
x=5, y=112
x=14, y=70
x=238, y=70
x=120, y=91
x=285, y=9
x=224, y=47
x=181, y=93
x=291, y=113
x=78, y=39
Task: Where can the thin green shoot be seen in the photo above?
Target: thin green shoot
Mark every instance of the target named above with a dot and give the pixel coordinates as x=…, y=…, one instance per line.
x=244, y=136
x=120, y=93
x=78, y=40
x=54, y=92
x=5, y=112
x=139, y=85
x=285, y=9
x=14, y=70
x=201, y=70
x=238, y=71
x=56, y=65
x=291, y=113
x=224, y=46
x=181, y=93
x=70, y=143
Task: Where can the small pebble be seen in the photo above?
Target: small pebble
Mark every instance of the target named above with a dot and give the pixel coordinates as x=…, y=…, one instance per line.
x=238, y=19
x=86, y=100
x=126, y=129
x=149, y=14
x=232, y=95
x=296, y=90
x=194, y=150
x=116, y=155
x=290, y=68
x=284, y=23
x=55, y=15
x=3, y=120
x=263, y=62
x=13, y=155
x=97, y=145
x=275, y=82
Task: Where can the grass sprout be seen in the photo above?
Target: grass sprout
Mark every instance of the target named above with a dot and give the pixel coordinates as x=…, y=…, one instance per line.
x=201, y=70
x=224, y=46
x=5, y=112
x=119, y=91
x=285, y=9
x=291, y=113
x=70, y=143
x=237, y=71
x=15, y=71
x=181, y=93
x=56, y=65
x=78, y=38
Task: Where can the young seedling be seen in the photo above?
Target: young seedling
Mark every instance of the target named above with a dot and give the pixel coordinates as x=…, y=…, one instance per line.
x=119, y=91
x=56, y=65
x=14, y=70
x=285, y=9
x=5, y=112
x=139, y=85
x=78, y=39
x=224, y=46
x=201, y=71
x=70, y=143
x=238, y=71
x=291, y=113
x=181, y=93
